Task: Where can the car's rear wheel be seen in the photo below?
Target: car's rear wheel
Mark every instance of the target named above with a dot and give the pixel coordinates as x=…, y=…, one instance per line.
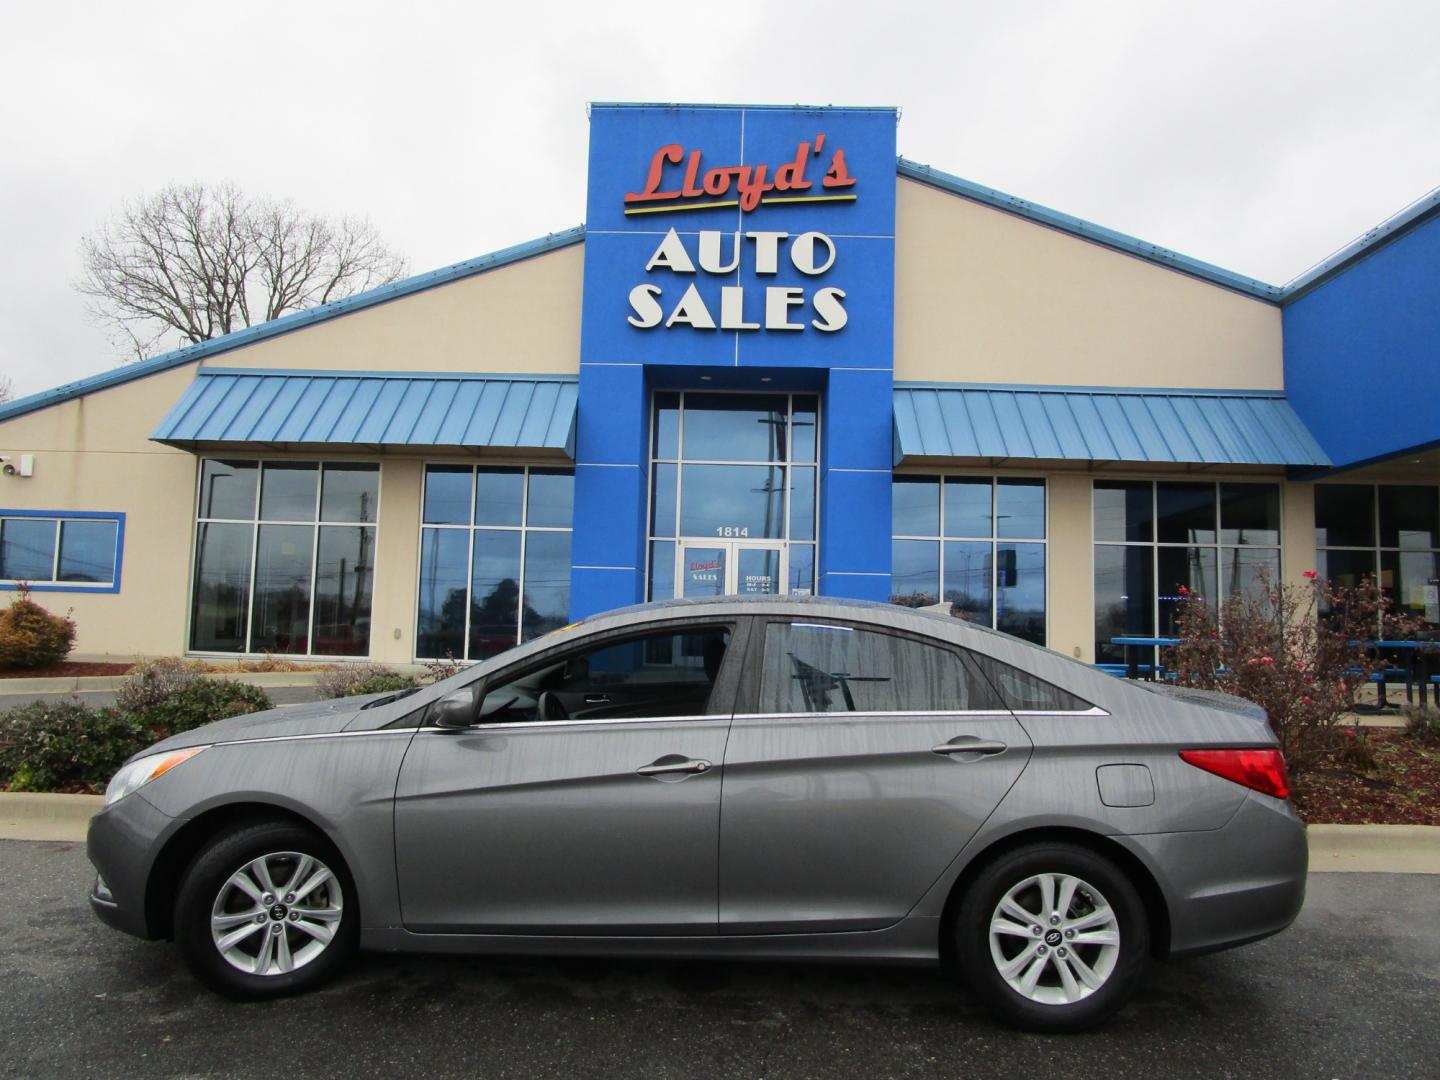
x=1052, y=937
x=266, y=909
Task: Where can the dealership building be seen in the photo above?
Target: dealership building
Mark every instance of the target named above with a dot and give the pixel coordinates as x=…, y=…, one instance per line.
x=775, y=359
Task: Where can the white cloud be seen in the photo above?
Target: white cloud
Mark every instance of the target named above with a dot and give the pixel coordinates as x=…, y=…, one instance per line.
x=1256, y=136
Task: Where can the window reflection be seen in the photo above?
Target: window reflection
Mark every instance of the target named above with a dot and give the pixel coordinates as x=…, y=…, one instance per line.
x=87, y=551
x=267, y=583
x=717, y=476
x=734, y=427
x=505, y=579
x=1407, y=555
x=750, y=498
x=281, y=618
x=220, y=613
x=27, y=549
x=984, y=576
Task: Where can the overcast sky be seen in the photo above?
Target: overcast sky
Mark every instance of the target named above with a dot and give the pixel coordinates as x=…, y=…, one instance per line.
x=1260, y=136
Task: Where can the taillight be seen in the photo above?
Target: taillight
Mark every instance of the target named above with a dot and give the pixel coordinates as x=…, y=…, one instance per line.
x=1261, y=770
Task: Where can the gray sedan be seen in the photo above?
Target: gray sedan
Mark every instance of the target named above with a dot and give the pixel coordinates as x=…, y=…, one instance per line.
x=805, y=779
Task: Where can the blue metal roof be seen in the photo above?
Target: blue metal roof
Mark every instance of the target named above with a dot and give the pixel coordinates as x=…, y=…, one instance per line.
x=294, y=321
x=324, y=408
x=1193, y=427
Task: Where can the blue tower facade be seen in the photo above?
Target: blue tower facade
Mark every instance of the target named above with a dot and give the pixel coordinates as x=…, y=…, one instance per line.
x=738, y=249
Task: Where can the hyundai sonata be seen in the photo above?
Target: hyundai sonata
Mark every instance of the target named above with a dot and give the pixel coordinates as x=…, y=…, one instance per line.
x=794, y=779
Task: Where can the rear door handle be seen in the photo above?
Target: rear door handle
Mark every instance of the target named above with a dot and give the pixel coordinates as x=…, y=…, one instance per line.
x=597, y=699
x=674, y=767
x=969, y=744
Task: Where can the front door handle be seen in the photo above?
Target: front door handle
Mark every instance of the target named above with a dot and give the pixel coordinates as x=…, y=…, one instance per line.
x=970, y=744
x=597, y=699
x=674, y=767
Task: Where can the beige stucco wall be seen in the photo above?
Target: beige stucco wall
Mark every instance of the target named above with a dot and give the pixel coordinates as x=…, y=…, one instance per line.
x=94, y=452
x=1070, y=567
x=985, y=296
x=524, y=317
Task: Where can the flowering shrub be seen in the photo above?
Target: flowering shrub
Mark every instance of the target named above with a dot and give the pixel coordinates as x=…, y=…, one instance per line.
x=1276, y=648
x=30, y=636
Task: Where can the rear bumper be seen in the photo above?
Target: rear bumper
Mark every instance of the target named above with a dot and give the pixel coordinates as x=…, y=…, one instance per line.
x=1228, y=886
x=123, y=841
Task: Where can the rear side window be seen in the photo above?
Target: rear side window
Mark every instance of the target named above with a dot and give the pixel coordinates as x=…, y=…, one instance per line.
x=817, y=668
x=1024, y=692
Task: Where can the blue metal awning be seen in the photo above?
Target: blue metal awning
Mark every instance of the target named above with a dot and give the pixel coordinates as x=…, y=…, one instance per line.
x=374, y=409
x=1191, y=427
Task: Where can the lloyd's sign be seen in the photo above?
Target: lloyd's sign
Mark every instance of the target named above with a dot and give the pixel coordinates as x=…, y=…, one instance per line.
x=710, y=251
x=740, y=237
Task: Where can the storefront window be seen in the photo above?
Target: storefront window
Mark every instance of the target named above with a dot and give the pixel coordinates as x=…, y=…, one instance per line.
x=733, y=493
x=494, y=558
x=1156, y=542
x=1390, y=531
x=58, y=552
x=284, y=557
x=988, y=560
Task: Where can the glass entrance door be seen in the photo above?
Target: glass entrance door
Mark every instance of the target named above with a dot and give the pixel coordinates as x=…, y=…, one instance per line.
x=729, y=568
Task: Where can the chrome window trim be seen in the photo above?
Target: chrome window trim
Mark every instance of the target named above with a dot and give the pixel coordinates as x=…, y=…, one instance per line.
x=510, y=724
x=1094, y=710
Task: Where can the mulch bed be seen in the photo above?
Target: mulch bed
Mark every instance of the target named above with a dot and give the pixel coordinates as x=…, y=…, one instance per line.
x=68, y=670
x=1402, y=788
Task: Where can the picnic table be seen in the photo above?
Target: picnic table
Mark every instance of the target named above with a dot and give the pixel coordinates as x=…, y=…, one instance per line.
x=1133, y=645
x=1418, y=655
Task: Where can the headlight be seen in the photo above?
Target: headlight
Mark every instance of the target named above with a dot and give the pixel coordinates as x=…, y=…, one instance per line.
x=142, y=770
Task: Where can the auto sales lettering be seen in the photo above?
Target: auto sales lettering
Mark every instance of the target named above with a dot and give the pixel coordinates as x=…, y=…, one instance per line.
x=670, y=189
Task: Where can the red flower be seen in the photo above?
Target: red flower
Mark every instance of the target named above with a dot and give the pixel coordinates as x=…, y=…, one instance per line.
x=1310, y=575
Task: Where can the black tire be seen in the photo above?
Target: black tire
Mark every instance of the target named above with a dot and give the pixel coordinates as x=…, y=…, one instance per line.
x=205, y=887
x=1101, y=884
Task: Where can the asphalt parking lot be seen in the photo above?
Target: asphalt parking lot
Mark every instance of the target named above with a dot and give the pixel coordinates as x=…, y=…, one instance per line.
x=1352, y=990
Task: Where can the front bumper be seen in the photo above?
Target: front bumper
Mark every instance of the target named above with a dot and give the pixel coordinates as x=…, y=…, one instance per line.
x=1232, y=885
x=123, y=842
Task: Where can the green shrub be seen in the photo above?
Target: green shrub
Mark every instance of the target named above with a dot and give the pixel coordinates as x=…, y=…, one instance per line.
x=31, y=637
x=200, y=702
x=355, y=679
x=152, y=683
x=64, y=746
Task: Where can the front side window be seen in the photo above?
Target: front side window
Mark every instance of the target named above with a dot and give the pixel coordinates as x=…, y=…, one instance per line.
x=978, y=543
x=494, y=558
x=823, y=668
x=60, y=552
x=1388, y=531
x=284, y=557
x=668, y=674
x=1159, y=542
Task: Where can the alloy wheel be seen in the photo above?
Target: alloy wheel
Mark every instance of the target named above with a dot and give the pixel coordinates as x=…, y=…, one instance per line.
x=276, y=913
x=1054, y=939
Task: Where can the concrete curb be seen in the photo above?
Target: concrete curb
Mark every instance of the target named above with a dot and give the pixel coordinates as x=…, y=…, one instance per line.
x=92, y=683
x=1375, y=849
x=1366, y=849
x=34, y=816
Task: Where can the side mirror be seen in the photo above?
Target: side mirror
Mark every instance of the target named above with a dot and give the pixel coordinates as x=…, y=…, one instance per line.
x=455, y=710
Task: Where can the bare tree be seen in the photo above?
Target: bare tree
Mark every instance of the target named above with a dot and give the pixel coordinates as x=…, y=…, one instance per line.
x=192, y=262
x=7, y=389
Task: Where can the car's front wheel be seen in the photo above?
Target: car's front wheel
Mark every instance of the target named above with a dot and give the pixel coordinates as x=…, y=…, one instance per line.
x=1052, y=937
x=266, y=909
